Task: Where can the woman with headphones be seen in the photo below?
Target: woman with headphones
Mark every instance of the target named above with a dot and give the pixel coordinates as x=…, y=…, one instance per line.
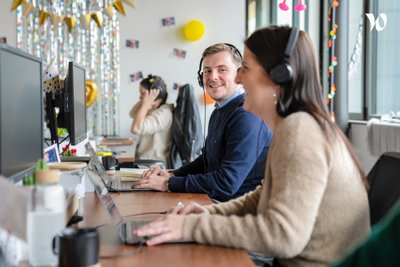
x=152, y=120
x=312, y=206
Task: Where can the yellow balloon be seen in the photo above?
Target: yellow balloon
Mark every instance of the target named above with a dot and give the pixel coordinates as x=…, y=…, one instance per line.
x=193, y=30
x=91, y=92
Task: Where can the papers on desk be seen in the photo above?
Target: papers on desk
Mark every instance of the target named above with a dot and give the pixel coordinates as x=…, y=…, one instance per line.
x=131, y=174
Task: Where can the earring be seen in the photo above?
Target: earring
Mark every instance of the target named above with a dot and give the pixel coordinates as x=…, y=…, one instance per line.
x=276, y=101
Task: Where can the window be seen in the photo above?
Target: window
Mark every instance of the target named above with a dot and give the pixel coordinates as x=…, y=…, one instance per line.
x=373, y=80
x=384, y=55
x=261, y=13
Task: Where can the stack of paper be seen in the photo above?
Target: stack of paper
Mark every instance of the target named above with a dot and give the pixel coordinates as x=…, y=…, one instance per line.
x=131, y=174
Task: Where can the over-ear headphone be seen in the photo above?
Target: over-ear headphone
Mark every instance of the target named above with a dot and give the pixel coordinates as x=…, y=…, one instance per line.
x=200, y=73
x=283, y=72
x=155, y=82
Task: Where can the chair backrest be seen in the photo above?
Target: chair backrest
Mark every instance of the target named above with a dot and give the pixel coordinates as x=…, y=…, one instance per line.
x=187, y=135
x=384, y=181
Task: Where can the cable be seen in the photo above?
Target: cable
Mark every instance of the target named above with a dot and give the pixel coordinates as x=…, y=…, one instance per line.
x=204, y=132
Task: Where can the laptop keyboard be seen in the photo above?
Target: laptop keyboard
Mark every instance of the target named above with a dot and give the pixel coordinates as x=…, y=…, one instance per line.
x=121, y=186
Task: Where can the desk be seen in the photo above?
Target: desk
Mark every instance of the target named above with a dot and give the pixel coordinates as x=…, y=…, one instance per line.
x=163, y=255
x=124, y=153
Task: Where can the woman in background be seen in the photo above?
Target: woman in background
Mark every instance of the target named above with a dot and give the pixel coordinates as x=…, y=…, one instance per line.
x=152, y=120
x=312, y=206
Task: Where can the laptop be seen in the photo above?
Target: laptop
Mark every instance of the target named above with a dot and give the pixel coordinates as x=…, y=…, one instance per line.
x=112, y=185
x=119, y=229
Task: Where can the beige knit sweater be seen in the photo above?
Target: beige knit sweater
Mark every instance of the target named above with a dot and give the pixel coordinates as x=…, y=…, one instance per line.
x=155, y=134
x=310, y=210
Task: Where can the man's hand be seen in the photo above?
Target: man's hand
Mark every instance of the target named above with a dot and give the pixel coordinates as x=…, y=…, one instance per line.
x=153, y=181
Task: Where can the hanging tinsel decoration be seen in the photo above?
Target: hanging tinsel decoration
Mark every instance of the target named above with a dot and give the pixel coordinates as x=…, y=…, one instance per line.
x=62, y=30
x=332, y=58
x=355, y=58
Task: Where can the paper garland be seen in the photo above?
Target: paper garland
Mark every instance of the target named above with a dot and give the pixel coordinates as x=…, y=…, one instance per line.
x=332, y=58
x=70, y=21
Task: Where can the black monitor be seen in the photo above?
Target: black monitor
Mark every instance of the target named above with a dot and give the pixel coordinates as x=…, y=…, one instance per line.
x=21, y=112
x=73, y=110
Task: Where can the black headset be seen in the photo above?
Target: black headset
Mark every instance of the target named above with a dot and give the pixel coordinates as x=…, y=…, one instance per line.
x=162, y=91
x=200, y=73
x=283, y=72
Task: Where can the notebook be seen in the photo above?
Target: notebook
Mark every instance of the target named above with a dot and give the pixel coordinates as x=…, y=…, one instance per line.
x=120, y=228
x=131, y=174
x=116, y=185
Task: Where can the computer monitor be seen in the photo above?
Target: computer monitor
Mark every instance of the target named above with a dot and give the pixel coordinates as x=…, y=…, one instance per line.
x=21, y=112
x=73, y=112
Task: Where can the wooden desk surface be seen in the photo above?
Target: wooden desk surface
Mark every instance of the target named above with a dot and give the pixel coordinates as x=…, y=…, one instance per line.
x=163, y=255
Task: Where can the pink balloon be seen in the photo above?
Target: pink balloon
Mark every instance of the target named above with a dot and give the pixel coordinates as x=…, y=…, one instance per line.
x=284, y=6
x=300, y=6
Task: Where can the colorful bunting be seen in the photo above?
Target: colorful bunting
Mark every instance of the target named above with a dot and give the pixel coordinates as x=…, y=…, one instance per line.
x=71, y=21
x=16, y=3
x=42, y=17
x=98, y=18
x=27, y=9
x=132, y=3
x=119, y=7
x=109, y=11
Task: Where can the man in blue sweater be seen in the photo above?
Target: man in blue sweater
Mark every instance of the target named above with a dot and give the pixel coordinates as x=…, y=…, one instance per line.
x=234, y=155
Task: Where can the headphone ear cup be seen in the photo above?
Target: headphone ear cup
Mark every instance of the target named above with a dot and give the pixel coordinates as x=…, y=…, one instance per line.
x=282, y=73
x=200, y=80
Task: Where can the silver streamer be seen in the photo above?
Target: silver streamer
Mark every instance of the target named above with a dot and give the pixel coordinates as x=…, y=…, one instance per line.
x=95, y=48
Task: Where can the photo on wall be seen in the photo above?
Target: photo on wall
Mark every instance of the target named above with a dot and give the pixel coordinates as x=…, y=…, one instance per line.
x=168, y=21
x=176, y=86
x=178, y=53
x=132, y=43
x=136, y=76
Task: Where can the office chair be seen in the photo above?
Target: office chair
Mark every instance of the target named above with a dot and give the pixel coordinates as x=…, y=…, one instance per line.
x=384, y=181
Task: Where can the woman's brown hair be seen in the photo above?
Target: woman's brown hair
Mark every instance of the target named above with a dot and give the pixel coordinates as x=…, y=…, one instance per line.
x=303, y=92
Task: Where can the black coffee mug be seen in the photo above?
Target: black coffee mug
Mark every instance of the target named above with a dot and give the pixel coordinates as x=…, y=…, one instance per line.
x=109, y=162
x=77, y=247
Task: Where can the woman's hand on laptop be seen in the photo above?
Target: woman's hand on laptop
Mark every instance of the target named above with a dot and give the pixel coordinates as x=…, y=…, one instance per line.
x=188, y=209
x=164, y=229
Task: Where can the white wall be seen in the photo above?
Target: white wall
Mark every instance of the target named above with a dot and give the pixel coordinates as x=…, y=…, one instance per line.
x=156, y=43
x=8, y=23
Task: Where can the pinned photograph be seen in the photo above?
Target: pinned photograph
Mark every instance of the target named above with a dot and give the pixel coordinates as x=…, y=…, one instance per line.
x=168, y=21
x=132, y=44
x=178, y=53
x=136, y=76
x=176, y=86
x=3, y=40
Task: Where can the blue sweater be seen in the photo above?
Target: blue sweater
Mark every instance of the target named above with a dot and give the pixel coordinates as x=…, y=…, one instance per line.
x=233, y=159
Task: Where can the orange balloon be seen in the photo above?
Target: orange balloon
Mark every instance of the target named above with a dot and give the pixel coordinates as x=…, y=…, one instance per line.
x=208, y=99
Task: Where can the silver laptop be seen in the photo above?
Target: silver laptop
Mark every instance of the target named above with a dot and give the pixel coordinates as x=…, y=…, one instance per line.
x=119, y=229
x=112, y=185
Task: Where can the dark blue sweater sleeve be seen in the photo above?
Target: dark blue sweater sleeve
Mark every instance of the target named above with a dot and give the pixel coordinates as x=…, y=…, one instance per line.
x=247, y=138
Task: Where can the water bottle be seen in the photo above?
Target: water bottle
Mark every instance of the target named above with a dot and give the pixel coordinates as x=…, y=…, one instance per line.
x=46, y=217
